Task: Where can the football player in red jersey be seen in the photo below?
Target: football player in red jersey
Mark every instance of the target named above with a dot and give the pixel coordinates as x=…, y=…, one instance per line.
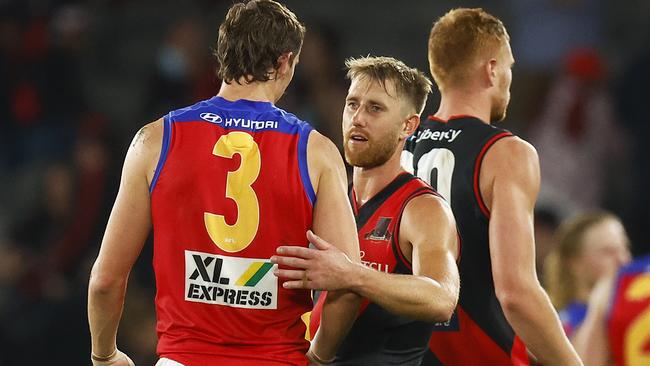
x=617, y=327
x=491, y=179
x=214, y=180
x=407, y=232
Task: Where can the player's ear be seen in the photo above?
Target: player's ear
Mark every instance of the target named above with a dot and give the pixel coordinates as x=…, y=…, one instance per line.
x=285, y=61
x=410, y=125
x=490, y=72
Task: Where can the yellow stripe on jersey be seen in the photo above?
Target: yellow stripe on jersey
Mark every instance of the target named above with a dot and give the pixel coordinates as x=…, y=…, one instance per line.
x=306, y=317
x=250, y=272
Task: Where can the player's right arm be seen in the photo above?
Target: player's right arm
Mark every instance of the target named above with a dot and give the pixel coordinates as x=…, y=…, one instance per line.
x=591, y=337
x=127, y=229
x=509, y=183
x=333, y=221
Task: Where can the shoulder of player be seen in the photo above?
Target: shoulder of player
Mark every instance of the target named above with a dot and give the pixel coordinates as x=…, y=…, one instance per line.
x=145, y=148
x=149, y=136
x=324, y=159
x=512, y=147
x=425, y=213
x=511, y=156
x=319, y=142
x=321, y=150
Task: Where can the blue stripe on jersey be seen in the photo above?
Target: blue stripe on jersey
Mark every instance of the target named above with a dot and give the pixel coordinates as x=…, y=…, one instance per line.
x=240, y=115
x=573, y=315
x=302, y=163
x=250, y=116
x=639, y=265
x=167, y=130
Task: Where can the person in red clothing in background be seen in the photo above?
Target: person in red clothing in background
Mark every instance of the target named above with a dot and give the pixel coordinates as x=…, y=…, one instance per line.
x=224, y=183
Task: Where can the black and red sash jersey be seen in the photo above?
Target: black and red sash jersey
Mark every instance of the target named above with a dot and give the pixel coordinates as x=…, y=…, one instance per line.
x=379, y=337
x=448, y=155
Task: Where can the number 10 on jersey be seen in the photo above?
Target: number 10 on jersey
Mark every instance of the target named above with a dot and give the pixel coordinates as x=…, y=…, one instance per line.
x=437, y=168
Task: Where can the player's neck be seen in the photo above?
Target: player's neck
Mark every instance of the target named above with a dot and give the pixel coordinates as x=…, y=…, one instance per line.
x=466, y=103
x=255, y=91
x=368, y=182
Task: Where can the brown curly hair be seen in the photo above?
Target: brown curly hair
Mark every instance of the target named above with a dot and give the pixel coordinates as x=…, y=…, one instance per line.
x=252, y=38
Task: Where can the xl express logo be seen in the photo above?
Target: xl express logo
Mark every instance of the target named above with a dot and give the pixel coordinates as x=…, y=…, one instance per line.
x=231, y=281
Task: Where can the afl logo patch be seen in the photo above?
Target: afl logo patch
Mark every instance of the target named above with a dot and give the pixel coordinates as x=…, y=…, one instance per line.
x=211, y=117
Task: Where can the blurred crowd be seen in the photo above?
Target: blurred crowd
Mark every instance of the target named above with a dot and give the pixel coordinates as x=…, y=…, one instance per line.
x=78, y=79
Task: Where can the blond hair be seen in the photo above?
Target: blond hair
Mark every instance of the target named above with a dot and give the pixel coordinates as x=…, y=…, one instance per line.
x=559, y=280
x=458, y=38
x=409, y=82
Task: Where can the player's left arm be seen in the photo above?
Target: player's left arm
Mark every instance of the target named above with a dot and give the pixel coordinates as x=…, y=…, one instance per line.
x=590, y=339
x=127, y=229
x=431, y=293
x=509, y=183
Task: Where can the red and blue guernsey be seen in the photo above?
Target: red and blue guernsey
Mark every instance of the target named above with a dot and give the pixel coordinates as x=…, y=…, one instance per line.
x=572, y=317
x=628, y=323
x=230, y=187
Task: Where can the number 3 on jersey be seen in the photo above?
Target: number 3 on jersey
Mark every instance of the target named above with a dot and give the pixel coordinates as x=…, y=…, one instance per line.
x=437, y=167
x=637, y=337
x=234, y=238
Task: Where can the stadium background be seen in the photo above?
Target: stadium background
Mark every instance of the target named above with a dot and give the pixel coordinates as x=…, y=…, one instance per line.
x=78, y=79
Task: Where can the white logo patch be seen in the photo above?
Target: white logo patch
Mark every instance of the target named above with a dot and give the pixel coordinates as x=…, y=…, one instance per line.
x=238, y=282
x=211, y=117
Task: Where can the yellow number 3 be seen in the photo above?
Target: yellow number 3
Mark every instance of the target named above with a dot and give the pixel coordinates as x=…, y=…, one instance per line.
x=234, y=238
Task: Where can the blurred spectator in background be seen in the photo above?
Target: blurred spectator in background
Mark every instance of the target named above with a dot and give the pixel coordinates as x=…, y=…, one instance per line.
x=569, y=23
x=616, y=330
x=41, y=87
x=589, y=246
x=41, y=100
x=55, y=149
x=633, y=108
x=52, y=242
x=582, y=147
x=319, y=89
x=57, y=231
x=184, y=70
x=543, y=32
